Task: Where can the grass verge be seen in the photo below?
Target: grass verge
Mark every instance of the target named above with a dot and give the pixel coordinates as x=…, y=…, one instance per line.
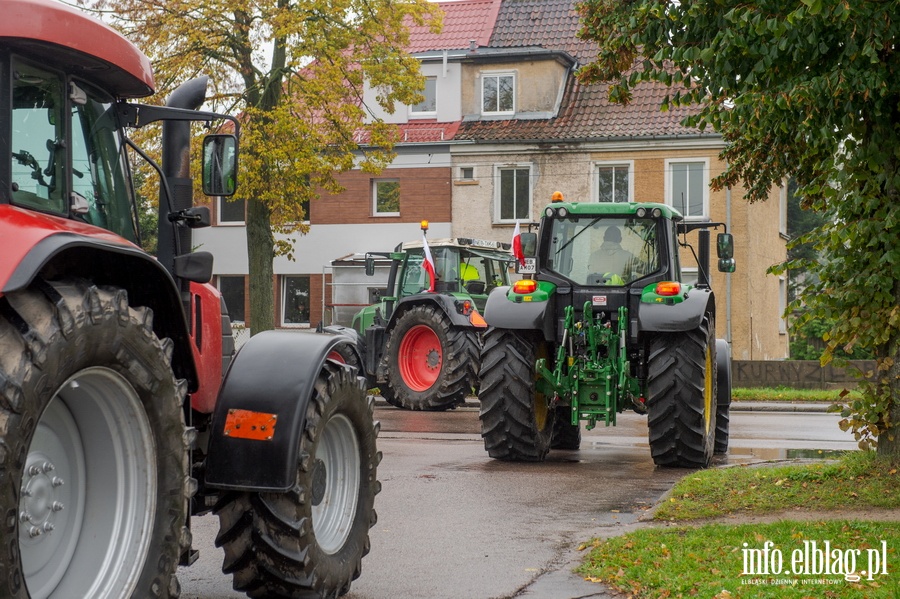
x=859, y=480
x=789, y=394
x=721, y=561
x=711, y=560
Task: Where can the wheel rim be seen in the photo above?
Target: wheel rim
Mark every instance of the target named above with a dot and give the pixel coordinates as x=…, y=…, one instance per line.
x=419, y=358
x=335, y=483
x=708, y=391
x=88, y=491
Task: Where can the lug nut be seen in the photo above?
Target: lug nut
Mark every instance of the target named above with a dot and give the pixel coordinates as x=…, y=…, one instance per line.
x=34, y=532
x=57, y=481
x=57, y=506
x=47, y=467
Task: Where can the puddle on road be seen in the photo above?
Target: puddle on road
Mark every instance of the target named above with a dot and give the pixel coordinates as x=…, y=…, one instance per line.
x=737, y=455
x=742, y=455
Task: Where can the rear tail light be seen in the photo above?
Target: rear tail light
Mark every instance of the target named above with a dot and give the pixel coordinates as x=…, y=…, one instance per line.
x=668, y=288
x=525, y=286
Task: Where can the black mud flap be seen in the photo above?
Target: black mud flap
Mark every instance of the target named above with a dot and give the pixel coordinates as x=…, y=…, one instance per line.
x=260, y=412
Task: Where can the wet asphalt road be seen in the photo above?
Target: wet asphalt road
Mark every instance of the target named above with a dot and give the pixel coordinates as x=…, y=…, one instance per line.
x=455, y=524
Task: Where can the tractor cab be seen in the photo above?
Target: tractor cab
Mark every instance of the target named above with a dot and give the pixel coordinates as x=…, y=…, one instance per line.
x=462, y=265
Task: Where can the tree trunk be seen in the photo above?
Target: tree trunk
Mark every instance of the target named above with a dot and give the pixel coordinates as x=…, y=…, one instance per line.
x=889, y=440
x=261, y=253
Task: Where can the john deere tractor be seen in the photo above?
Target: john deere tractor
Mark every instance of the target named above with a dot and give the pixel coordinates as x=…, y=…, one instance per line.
x=603, y=322
x=422, y=346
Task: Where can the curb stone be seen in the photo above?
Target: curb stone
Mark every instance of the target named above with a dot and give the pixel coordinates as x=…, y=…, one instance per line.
x=736, y=406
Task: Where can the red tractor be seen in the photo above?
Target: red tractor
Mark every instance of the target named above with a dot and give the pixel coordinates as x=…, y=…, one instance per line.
x=116, y=424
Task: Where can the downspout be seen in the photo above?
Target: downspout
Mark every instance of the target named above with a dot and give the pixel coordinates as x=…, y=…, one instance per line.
x=728, y=274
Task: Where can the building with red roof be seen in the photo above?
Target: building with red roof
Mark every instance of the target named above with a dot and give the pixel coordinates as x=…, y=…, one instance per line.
x=504, y=124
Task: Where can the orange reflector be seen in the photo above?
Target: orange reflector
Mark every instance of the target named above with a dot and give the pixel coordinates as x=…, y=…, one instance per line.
x=244, y=424
x=477, y=320
x=668, y=288
x=525, y=286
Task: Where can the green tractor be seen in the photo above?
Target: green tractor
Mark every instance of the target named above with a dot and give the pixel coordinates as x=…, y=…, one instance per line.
x=603, y=322
x=421, y=346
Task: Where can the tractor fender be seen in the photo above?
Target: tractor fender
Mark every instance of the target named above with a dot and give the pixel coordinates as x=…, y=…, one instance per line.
x=355, y=341
x=723, y=373
x=106, y=259
x=261, y=411
x=683, y=316
x=501, y=313
x=447, y=304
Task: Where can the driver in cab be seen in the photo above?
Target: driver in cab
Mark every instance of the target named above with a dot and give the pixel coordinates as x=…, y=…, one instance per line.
x=611, y=264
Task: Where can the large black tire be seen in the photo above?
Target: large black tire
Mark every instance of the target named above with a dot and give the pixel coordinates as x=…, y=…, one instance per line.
x=723, y=395
x=432, y=364
x=516, y=420
x=93, y=448
x=387, y=394
x=310, y=541
x=565, y=434
x=681, y=396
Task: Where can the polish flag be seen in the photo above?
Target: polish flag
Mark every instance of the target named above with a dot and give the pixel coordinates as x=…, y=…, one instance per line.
x=517, y=245
x=428, y=263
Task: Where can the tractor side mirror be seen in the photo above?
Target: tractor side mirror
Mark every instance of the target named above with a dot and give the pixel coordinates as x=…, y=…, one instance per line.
x=529, y=244
x=370, y=265
x=219, y=165
x=725, y=246
x=725, y=251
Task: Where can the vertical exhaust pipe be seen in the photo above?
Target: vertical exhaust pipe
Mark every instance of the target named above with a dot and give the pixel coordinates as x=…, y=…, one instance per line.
x=176, y=167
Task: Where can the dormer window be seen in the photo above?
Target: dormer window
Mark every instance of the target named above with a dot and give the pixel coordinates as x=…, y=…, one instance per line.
x=498, y=93
x=428, y=106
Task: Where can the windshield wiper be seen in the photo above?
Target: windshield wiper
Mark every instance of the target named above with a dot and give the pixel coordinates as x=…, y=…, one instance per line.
x=575, y=236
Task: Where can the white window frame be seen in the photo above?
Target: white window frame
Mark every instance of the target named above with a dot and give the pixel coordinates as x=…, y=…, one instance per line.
x=690, y=275
x=498, y=75
x=375, y=183
x=417, y=114
x=669, y=186
x=608, y=164
x=220, y=200
x=497, y=190
x=283, y=291
x=463, y=178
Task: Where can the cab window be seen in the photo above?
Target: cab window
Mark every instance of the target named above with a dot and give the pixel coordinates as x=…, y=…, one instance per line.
x=38, y=148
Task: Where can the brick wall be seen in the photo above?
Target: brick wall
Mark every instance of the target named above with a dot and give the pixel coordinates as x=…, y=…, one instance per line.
x=424, y=195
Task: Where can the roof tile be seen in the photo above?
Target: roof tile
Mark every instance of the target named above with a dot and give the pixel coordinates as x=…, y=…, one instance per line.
x=464, y=21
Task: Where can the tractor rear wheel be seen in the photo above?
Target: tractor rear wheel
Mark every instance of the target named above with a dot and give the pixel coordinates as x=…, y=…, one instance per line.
x=432, y=364
x=516, y=420
x=93, y=451
x=565, y=434
x=723, y=395
x=681, y=396
x=310, y=540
